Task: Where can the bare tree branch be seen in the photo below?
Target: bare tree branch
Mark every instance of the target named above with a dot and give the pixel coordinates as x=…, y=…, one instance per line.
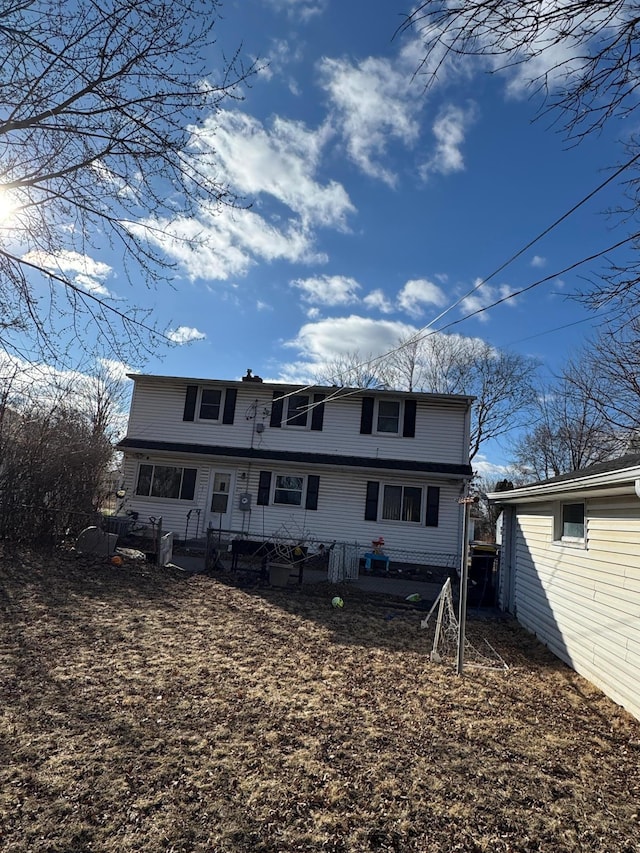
x=98, y=101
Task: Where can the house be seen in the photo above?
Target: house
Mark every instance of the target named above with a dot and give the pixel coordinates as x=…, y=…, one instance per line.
x=252, y=458
x=570, y=570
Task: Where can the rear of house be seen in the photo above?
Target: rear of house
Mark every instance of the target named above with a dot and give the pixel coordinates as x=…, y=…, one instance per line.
x=254, y=459
x=570, y=571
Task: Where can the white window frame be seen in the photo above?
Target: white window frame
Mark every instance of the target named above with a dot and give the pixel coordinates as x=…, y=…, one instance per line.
x=153, y=466
x=402, y=486
x=297, y=413
x=198, y=416
x=559, y=536
x=275, y=488
x=376, y=415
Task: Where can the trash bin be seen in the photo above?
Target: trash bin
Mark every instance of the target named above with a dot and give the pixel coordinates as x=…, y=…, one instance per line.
x=482, y=575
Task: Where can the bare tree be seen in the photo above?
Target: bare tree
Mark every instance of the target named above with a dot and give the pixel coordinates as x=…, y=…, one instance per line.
x=352, y=370
x=502, y=382
x=583, y=55
x=52, y=465
x=98, y=141
x=571, y=430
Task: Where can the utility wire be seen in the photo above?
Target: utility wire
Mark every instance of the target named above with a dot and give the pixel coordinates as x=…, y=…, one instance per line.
x=419, y=334
x=422, y=336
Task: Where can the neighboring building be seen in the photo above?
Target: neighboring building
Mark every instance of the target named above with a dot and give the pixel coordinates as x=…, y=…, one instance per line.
x=570, y=570
x=256, y=458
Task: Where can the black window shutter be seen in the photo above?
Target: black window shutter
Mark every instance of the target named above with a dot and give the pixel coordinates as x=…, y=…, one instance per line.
x=228, y=414
x=313, y=487
x=264, y=486
x=433, y=505
x=409, y=429
x=190, y=403
x=366, y=416
x=317, y=413
x=371, y=504
x=188, y=484
x=276, y=410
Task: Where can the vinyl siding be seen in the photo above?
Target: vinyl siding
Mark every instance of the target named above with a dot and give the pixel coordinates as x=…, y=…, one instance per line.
x=157, y=414
x=584, y=603
x=340, y=513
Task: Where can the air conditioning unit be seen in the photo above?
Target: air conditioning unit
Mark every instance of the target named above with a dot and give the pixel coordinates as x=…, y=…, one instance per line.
x=244, y=502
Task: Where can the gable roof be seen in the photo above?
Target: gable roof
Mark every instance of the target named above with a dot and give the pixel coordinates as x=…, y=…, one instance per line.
x=616, y=476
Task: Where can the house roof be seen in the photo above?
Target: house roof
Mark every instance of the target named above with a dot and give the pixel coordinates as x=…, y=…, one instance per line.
x=616, y=476
x=338, y=390
x=443, y=469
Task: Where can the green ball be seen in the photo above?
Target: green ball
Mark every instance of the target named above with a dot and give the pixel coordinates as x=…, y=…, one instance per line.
x=337, y=601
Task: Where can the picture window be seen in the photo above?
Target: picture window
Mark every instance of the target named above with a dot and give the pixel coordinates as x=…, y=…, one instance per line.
x=166, y=481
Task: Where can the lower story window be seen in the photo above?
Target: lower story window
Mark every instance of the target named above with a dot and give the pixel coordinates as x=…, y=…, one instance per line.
x=166, y=481
x=288, y=490
x=402, y=503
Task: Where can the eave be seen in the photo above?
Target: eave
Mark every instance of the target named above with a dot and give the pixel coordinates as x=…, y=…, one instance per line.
x=441, y=469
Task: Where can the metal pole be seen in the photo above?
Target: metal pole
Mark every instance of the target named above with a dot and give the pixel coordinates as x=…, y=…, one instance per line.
x=464, y=576
x=159, y=542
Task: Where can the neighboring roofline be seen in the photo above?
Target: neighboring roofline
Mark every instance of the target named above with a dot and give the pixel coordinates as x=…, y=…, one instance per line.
x=329, y=389
x=601, y=478
x=439, y=468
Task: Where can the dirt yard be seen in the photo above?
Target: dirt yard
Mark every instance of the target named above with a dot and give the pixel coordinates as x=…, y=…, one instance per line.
x=146, y=710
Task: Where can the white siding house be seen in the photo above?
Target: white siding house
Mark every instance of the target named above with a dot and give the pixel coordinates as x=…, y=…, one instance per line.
x=570, y=571
x=254, y=458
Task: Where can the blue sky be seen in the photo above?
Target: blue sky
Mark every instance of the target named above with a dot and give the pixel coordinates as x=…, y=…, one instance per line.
x=375, y=204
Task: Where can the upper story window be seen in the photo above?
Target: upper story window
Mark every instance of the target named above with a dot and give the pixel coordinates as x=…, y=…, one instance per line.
x=384, y=416
x=388, y=416
x=297, y=410
x=210, y=404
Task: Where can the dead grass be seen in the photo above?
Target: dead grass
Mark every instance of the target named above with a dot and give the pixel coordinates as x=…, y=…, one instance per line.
x=143, y=710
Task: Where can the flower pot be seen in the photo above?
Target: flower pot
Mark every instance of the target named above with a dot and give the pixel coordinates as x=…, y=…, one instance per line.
x=279, y=574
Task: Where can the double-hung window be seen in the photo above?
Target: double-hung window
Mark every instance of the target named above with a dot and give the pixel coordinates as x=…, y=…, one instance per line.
x=388, y=416
x=297, y=410
x=166, y=481
x=288, y=490
x=210, y=404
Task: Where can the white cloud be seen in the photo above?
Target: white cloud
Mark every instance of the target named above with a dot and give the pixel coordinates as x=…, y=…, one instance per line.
x=373, y=103
x=185, y=334
x=224, y=244
x=484, y=296
x=419, y=292
x=279, y=162
x=538, y=262
x=490, y=470
x=275, y=167
x=377, y=299
x=300, y=9
x=281, y=54
x=89, y=272
x=449, y=130
x=333, y=337
x=327, y=289
x=263, y=306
